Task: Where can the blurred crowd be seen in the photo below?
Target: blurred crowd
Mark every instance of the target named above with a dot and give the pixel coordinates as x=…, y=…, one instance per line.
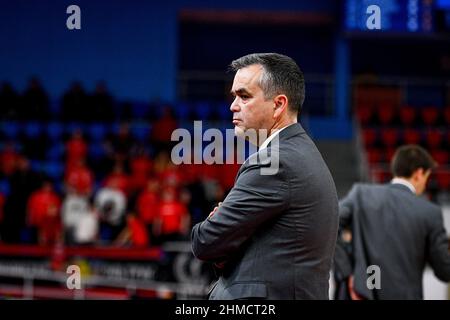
x=117, y=191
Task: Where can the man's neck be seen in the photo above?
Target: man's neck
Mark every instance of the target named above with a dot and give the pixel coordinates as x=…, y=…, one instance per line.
x=280, y=125
x=406, y=182
x=273, y=131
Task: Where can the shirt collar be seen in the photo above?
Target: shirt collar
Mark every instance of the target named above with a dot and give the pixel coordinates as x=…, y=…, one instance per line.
x=271, y=137
x=404, y=182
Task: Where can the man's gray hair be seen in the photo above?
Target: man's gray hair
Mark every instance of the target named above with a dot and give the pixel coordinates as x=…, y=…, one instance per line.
x=281, y=76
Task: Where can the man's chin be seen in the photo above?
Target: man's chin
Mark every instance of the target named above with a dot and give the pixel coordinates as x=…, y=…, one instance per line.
x=239, y=132
x=250, y=135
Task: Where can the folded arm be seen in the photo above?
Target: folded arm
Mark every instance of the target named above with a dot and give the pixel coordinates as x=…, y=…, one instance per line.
x=254, y=199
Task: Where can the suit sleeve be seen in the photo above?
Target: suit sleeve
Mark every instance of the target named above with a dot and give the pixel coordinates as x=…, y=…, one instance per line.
x=438, y=251
x=255, y=199
x=342, y=263
x=346, y=208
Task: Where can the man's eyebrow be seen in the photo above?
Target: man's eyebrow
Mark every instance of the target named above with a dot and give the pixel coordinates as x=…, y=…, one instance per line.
x=240, y=91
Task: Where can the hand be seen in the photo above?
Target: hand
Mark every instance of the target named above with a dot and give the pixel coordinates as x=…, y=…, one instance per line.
x=214, y=210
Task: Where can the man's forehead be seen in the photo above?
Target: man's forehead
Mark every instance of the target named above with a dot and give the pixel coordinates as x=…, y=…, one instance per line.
x=247, y=77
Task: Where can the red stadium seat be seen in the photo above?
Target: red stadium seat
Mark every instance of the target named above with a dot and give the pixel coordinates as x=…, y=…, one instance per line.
x=430, y=115
x=369, y=137
x=389, y=137
x=407, y=115
x=374, y=156
x=411, y=136
x=443, y=179
x=440, y=156
x=389, y=154
x=447, y=115
x=386, y=115
x=364, y=115
x=434, y=138
x=380, y=175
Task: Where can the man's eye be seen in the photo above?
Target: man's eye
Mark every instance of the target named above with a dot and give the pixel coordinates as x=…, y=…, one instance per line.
x=244, y=97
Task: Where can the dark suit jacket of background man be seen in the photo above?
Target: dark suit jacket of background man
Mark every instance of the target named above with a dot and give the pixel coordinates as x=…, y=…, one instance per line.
x=397, y=231
x=276, y=233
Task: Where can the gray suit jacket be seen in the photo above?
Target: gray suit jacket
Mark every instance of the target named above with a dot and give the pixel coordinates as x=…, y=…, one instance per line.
x=275, y=233
x=397, y=231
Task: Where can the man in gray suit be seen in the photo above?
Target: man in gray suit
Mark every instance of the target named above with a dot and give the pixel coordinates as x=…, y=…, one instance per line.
x=274, y=235
x=394, y=230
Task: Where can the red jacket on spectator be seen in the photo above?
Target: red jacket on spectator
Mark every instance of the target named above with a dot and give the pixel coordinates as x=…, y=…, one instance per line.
x=171, y=176
x=76, y=149
x=172, y=215
x=140, y=171
x=138, y=232
x=8, y=160
x=163, y=128
x=44, y=213
x=147, y=204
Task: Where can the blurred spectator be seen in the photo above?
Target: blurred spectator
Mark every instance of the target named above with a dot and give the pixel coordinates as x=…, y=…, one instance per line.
x=110, y=203
x=119, y=179
x=162, y=130
x=228, y=173
x=134, y=234
x=22, y=183
x=229, y=169
x=74, y=104
x=147, y=204
x=166, y=171
x=119, y=146
x=198, y=204
x=9, y=102
x=44, y=214
x=76, y=148
x=171, y=176
x=35, y=102
x=140, y=167
x=172, y=221
x=79, y=178
x=2, y=205
x=74, y=209
x=87, y=229
x=8, y=159
x=101, y=104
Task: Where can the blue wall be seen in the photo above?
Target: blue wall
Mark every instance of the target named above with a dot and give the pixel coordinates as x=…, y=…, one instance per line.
x=132, y=47
x=130, y=44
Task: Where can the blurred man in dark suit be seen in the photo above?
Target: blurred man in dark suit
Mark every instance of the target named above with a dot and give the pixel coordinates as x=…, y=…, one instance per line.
x=274, y=235
x=393, y=229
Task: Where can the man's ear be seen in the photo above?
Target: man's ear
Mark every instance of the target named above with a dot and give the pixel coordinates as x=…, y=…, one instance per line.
x=280, y=105
x=417, y=174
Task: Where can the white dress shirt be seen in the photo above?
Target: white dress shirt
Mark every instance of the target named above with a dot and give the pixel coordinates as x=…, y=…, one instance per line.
x=404, y=182
x=271, y=137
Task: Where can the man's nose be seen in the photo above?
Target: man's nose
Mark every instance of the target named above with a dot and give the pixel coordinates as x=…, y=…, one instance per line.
x=234, y=106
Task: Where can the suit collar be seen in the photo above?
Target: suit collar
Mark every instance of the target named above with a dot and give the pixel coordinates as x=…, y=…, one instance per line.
x=291, y=130
x=400, y=187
